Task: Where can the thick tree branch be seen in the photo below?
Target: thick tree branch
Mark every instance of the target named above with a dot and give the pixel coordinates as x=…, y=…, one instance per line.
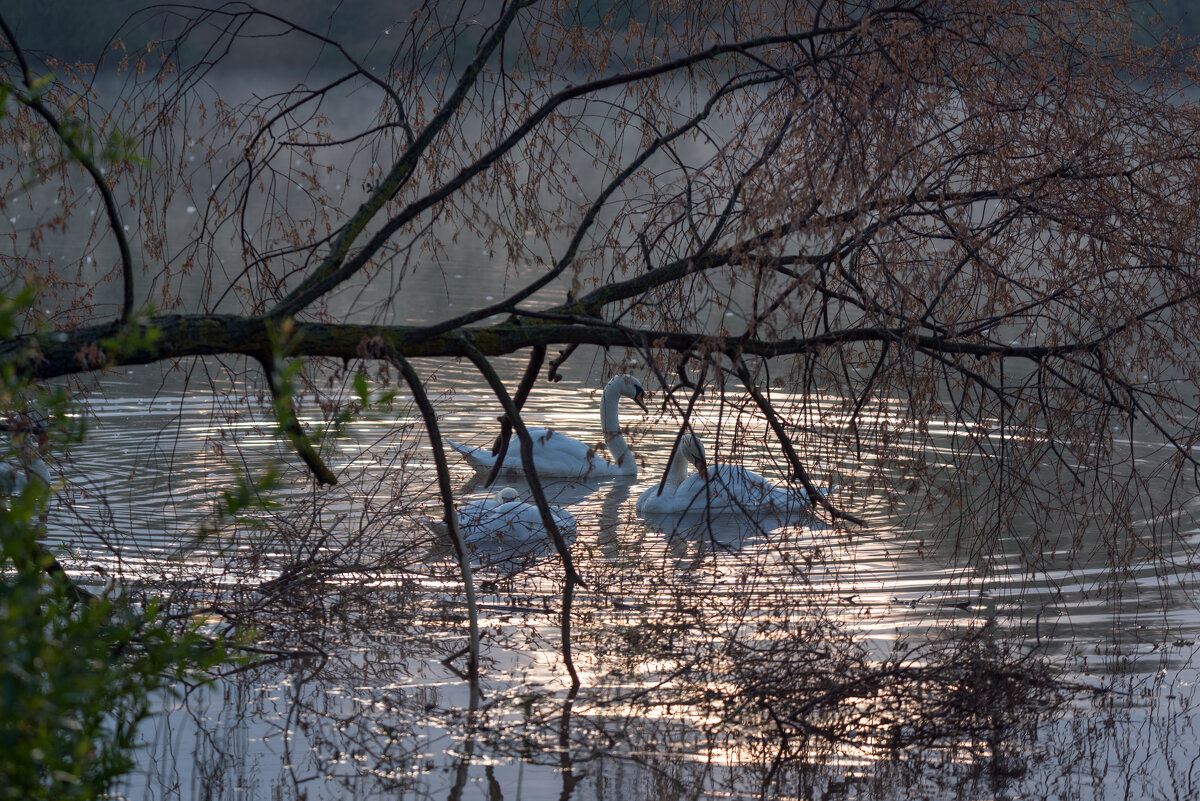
x=334, y=269
x=178, y=336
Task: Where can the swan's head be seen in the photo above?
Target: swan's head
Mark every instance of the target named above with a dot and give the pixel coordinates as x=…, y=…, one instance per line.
x=692, y=449
x=438, y=527
x=630, y=387
x=507, y=495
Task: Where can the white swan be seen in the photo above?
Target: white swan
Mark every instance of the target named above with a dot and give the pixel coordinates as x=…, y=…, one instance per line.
x=670, y=499
x=15, y=477
x=556, y=454
x=719, y=488
x=507, y=521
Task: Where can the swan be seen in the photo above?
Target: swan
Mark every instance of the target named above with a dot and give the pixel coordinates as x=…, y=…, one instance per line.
x=670, y=499
x=506, y=520
x=556, y=454
x=14, y=477
x=721, y=488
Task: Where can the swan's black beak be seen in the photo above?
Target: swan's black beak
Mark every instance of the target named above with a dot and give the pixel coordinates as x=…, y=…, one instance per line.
x=700, y=464
x=640, y=399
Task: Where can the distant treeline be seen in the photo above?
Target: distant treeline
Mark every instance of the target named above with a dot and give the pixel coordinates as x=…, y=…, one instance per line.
x=75, y=31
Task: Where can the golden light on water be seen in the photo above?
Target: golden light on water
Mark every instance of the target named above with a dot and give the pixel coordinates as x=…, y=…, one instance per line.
x=675, y=635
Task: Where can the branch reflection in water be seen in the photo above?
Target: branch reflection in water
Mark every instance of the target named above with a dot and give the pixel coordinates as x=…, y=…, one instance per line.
x=723, y=655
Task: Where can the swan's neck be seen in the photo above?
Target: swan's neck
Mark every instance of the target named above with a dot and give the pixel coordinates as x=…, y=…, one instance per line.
x=39, y=469
x=614, y=440
x=34, y=465
x=676, y=472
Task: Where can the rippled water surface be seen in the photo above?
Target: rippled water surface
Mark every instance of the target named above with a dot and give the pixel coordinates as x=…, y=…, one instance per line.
x=373, y=704
x=355, y=606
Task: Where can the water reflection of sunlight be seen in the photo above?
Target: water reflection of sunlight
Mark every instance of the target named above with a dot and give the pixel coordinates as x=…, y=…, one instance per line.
x=659, y=599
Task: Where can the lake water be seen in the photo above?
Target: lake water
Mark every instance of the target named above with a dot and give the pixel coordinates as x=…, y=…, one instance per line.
x=677, y=636
x=932, y=652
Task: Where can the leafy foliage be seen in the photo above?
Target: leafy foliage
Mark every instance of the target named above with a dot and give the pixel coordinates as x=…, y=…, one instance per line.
x=76, y=677
x=78, y=672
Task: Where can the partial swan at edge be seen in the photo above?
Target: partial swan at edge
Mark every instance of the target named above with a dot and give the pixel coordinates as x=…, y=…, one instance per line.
x=14, y=477
x=556, y=454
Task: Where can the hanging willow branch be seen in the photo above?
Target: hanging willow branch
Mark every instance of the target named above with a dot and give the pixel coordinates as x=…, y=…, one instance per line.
x=429, y=416
x=789, y=451
x=289, y=423
x=535, y=485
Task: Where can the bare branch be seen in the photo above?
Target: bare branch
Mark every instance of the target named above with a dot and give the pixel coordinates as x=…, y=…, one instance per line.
x=71, y=142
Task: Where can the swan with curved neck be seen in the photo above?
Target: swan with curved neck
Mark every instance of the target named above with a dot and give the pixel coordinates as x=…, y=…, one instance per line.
x=719, y=488
x=556, y=454
x=666, y=496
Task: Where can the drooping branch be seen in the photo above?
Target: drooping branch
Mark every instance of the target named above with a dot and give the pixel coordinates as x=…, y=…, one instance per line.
x=289, y=423
x=446, y=492
x=552, y=374
x=535, y=485
x=785, y=442
x=685, y=425
x=500, y=448
x=240, y=15
x=70, y=141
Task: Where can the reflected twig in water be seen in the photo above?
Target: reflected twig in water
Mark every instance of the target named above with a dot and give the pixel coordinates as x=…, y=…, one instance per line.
x=565, y=762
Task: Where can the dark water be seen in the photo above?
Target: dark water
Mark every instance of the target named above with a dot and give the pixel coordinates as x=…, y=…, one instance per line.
x=676, y=634
x=697, y=650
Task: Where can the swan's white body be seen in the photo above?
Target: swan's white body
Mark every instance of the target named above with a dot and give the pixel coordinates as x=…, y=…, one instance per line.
x=15, y=477
x=506, y=520
x=556, y=454
x=669, y=500
x=718, y=488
